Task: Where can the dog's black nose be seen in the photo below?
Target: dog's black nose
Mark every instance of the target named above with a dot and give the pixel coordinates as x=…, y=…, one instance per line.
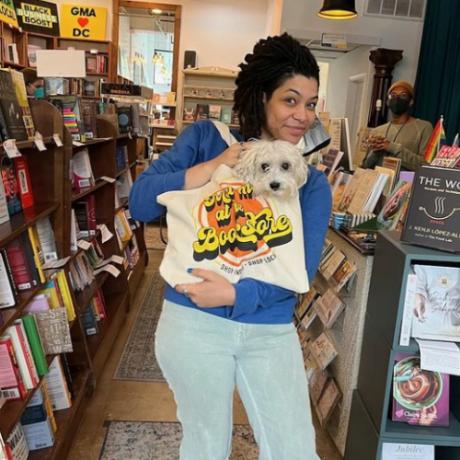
x=275, y=185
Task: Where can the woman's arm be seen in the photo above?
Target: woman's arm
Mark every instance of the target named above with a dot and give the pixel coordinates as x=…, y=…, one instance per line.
x=190, y=163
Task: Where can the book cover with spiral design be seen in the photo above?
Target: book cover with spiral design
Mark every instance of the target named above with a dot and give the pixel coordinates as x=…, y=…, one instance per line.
x=420, y=397
x=433, y=219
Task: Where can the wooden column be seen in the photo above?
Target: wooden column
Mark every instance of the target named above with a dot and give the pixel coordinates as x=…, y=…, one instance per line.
x=384, y=61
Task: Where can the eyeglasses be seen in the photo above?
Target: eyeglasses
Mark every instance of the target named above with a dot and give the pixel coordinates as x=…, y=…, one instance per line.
x=405, y=96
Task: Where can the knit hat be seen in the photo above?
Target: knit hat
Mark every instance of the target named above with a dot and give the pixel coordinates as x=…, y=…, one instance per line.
x=402, y=84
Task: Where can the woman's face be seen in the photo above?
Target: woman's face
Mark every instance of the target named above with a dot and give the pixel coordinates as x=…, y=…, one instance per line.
x=291, y=109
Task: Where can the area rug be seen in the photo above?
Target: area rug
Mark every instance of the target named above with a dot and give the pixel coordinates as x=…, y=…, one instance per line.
x=138, y=360
x=161, y=440
x=153, y=236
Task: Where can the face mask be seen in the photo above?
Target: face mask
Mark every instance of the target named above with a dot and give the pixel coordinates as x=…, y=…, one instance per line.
x=399, y=105
x=39, y=92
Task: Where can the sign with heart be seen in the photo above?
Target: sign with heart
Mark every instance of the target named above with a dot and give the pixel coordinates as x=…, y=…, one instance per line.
x=83, y=22
x=7, y=13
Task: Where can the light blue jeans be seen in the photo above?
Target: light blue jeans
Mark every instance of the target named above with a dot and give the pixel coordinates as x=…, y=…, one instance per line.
x=203, y=357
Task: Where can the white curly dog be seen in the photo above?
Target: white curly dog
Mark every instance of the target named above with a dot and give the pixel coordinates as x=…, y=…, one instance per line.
x=272, y=167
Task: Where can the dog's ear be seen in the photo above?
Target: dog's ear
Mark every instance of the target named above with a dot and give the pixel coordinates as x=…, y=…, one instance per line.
x=300, y=167
x=245, y=169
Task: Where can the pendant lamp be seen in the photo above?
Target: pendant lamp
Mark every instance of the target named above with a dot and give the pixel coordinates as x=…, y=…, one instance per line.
x=338, y=9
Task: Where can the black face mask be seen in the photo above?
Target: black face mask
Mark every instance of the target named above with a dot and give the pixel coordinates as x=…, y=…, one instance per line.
x=398, y=105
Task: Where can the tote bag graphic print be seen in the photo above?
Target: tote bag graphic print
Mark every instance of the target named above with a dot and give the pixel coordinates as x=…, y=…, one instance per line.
x=236, y=226
x=223, y=227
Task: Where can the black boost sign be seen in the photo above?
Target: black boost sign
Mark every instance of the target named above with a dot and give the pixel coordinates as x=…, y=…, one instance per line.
x=37, y=16
x=433, y=218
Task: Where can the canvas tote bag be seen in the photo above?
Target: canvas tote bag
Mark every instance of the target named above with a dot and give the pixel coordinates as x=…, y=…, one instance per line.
x=222, y=227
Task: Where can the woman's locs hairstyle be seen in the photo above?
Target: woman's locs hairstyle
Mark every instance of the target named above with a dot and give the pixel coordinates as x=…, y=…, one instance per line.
x=272, y=62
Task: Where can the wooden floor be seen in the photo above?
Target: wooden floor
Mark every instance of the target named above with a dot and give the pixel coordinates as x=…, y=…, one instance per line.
x=140, y=401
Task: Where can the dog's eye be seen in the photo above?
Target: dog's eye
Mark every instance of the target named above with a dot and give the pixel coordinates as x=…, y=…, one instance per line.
x=285, y=166
x=265, y=167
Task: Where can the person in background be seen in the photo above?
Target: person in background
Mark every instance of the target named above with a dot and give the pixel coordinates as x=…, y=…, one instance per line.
x=213, y=335
x=404, y=136
x=35, y=86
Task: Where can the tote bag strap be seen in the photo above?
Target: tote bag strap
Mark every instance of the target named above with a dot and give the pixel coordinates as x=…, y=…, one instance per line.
x=225, y=132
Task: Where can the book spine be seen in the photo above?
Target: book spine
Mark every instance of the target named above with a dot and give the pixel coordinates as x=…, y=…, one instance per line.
x=20, y=269
x=27, y=351
x=24, y=183
x=35, y=343
x=16, y=388
x=7, y=295
x=30, y=258
x=37, y=254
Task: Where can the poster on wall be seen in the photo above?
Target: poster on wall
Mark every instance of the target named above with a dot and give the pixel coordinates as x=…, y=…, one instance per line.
x=83, y=22
x=7, y=13
x=37, y=16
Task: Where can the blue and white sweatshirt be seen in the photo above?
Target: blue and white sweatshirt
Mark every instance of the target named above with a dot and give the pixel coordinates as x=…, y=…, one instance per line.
x=256, y=302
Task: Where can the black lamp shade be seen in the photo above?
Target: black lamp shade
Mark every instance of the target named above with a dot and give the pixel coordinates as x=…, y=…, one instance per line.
x=338, y=9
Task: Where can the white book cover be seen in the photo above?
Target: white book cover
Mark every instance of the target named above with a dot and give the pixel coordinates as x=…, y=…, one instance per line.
x=436, y=313
x=376, y=193
x=17, y=442
x=46, y=238
x=74, y=231
x=82, y=172
x=6, y=291
x=57, y=386
x=4, y=216
x=409, y=302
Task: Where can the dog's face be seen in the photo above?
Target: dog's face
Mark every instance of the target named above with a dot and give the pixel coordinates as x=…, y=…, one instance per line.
x=273, y=167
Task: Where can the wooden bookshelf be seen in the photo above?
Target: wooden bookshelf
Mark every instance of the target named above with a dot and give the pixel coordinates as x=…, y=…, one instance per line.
x=54, y=198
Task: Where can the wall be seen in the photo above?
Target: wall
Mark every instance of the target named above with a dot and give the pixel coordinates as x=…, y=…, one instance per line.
x=393, y=34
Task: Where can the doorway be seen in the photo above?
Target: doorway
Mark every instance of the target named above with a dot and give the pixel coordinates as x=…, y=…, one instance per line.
x=148, y=37
x=355, y=103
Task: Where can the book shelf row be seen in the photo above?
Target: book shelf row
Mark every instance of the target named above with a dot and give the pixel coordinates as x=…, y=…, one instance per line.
x=70, y=252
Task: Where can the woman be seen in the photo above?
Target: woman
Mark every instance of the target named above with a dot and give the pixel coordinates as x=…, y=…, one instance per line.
x=219, y=334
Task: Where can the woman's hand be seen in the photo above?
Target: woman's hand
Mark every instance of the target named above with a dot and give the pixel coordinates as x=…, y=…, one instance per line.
x=200, y=174
x=213, y=291
x=230, y=156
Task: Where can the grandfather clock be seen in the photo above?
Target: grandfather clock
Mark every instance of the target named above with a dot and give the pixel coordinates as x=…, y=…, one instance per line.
x=384, y=61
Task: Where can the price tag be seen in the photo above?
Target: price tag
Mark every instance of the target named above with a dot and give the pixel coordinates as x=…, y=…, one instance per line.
x=39, y=142
x=77, y=144
x=57, y=140
x=83, y=244
x=109, y=268
x=108, y=179
x=11, y=148
x=106, y=234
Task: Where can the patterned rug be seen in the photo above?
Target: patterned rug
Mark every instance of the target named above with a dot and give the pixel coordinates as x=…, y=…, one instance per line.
x=138, y=360
x=161, y=440
x=152, y=236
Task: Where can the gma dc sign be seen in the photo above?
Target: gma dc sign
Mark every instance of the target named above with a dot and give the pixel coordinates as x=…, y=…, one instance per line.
x=83, y=22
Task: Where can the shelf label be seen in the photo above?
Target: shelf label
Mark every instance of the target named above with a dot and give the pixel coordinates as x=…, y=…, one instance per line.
x=11, y=148
x=53, y=264
x=57, y=140
x=38, y=141
x=77, y=144
x=397, y=451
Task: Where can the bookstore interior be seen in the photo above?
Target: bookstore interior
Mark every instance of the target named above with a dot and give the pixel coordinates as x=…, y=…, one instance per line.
x=92, y=95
